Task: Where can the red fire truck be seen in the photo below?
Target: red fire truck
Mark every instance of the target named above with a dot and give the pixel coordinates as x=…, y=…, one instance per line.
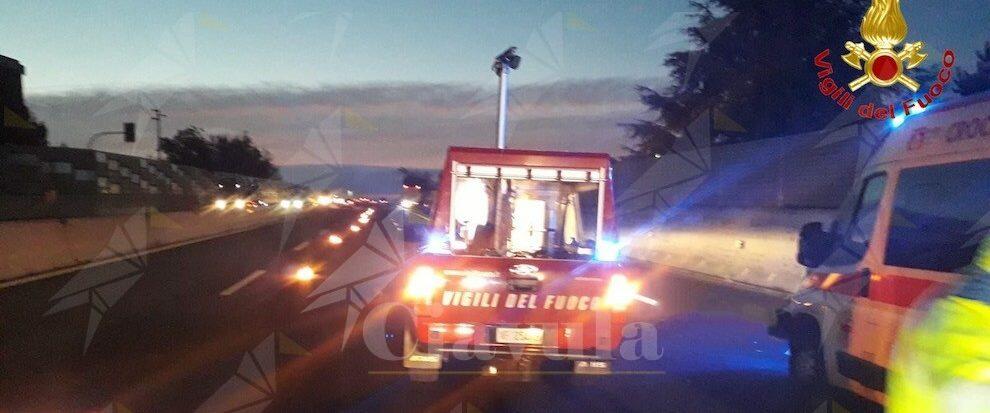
x=521, y=258
x=521, y=261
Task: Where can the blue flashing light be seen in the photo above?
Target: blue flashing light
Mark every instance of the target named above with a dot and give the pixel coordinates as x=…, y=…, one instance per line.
x=607, y=251
x=897, y=121
x=437, y=244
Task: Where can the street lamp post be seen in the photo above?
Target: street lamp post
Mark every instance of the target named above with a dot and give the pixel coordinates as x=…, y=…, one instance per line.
x=157, y=117
x=503, y=65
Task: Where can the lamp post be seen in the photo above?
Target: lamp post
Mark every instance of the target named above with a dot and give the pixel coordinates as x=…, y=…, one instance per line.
x=157, y=116
x=503, y=65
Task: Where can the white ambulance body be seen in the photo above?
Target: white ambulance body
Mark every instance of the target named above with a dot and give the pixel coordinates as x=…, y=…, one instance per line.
x=905, y=234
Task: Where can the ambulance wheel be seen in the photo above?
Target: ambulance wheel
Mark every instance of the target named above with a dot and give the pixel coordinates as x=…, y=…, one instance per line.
x=807, y=362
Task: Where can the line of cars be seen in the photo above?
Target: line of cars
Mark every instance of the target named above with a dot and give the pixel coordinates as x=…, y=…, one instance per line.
x=236, y=195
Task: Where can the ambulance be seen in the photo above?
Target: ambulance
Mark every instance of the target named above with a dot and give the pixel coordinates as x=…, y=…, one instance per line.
x=521, y=263
x=906, y=234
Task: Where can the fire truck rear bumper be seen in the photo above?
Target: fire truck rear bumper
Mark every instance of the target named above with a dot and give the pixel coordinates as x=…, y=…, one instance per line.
x=505, y=351
x=433, y=359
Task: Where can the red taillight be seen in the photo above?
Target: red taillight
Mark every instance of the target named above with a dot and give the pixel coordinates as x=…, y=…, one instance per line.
x=423, y=283
x=620, y=293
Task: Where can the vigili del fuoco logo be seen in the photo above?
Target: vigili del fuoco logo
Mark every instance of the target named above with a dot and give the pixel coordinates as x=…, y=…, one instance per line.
x=884, y=28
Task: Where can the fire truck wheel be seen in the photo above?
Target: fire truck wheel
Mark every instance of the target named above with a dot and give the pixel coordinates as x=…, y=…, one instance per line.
x=807, y=361
x=426, y=375
x=397, y=323
x=408, y=343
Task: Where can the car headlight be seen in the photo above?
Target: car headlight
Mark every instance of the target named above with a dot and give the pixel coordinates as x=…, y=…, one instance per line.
x=423, y=283
x=621, y=292
x=220, y=204
x=240, y=203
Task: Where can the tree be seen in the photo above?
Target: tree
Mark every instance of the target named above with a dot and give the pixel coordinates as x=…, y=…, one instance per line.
x=976, y=82
x=753, y=63
x=22, y=128
x=424, y=179
x=188, y=147
x=239, y=155
x=219, y=153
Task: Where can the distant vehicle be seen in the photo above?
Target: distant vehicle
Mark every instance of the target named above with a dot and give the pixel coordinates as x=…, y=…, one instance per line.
x=362, y=201
x=904, y=235
x=235, y=194
x=233, y=187
x=521, y=256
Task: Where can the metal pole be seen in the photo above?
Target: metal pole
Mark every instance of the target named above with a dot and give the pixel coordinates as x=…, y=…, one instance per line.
x=503, y=105
x=158, y=131
x=92, y=139
x=158, y=122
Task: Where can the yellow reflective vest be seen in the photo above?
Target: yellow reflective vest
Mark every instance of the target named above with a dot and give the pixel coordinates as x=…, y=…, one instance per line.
x=942, y=364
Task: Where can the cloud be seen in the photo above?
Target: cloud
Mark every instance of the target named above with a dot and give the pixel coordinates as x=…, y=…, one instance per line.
x=407, y=124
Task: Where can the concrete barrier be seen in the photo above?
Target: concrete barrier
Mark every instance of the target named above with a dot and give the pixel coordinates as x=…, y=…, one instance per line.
x=35, y=249
x=752, y=246
x=55, y=182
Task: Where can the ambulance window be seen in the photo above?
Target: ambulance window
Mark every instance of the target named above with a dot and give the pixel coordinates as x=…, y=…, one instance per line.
x=940, y=216
x=857, y=236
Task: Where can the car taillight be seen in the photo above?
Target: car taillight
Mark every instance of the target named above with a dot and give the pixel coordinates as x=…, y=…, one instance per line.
x=423, y=283
x=621, y=292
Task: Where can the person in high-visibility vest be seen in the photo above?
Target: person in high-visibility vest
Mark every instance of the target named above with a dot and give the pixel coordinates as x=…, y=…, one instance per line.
x=942, y=363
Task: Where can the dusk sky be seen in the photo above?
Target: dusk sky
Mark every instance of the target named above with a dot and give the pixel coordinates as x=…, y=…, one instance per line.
x=382, y=80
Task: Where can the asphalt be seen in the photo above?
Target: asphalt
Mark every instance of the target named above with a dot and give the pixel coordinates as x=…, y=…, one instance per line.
x=201, y=328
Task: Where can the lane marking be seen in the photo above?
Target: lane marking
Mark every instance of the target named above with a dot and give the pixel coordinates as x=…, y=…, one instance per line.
x=240, y=284
x=301, y=246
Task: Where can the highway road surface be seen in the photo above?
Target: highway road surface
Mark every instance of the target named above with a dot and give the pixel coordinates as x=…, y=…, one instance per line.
x=222, y=326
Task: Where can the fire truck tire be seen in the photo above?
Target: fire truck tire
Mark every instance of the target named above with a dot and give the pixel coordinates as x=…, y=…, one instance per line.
x=807, y=362
x=408, y=343
x=417, y=374
x=397, y=323
x=424, y=376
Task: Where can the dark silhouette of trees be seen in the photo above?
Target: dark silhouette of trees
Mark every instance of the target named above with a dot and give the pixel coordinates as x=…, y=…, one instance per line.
x=424, y=179
x=978, y=81
x=221, y=153
x=22, y=129
x=17, y=125
x=752, y=62
x=188, y=147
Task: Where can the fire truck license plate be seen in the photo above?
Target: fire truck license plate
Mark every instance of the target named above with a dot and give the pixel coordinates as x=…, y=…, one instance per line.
x=519, y=335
